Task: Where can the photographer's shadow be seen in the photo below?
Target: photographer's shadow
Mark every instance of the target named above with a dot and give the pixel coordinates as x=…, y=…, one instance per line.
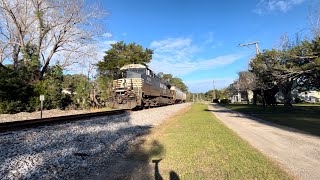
x=172, y=175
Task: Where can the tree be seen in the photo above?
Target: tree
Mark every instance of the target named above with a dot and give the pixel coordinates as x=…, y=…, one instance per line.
x=314, y=20
x=121, y=54
x=15, y=92
x=56, y=28
x=286, y=69
x=51, y=86
x=247, y=82
x=174, y=81
x=79, y=87
x=220, y=94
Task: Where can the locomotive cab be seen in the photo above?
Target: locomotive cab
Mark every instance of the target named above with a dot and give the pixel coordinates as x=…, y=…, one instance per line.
x=138, y=86
x=127, y=92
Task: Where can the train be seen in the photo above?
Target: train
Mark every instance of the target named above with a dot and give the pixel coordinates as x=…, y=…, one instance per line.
x=138, y=87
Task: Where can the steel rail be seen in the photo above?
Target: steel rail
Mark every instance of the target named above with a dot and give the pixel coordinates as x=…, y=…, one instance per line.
x=31, y=123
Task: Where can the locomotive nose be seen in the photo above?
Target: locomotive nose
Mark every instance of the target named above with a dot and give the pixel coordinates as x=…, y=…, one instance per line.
x=119, y=99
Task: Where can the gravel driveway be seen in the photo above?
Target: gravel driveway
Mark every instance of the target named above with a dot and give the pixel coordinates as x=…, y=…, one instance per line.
x=75, y=150
x=297, y=152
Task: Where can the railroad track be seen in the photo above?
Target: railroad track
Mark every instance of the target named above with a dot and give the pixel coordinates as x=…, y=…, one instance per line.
x=25, y=124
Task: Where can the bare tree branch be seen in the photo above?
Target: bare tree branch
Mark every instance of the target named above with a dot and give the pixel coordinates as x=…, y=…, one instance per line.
x=52, y=26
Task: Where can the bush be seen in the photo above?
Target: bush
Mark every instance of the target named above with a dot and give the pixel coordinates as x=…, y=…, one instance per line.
x=298, y=100
x=215, y=100
x=8, y=107
x=15, y=92
x=224, y=101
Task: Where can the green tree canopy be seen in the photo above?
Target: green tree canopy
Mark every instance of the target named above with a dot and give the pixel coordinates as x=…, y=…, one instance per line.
x=175, y=81
x=294, y=66
x=121, y=54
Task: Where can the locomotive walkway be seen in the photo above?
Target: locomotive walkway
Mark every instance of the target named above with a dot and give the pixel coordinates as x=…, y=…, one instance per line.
x=297, y=152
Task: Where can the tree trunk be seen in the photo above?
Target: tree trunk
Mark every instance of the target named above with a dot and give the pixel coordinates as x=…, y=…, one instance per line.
x=286, y=89
x=15, y=56
x=255, y=93
x=288, y=99
x=247, y=96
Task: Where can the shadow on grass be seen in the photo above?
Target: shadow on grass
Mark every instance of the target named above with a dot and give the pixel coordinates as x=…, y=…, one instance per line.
x=157, y=176
x=141, y=163
x=303, y=119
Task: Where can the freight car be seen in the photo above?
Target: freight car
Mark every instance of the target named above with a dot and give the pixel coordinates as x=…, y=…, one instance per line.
x=139, y=87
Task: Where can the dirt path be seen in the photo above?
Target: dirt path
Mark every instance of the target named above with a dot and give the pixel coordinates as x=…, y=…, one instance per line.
x=297, y=152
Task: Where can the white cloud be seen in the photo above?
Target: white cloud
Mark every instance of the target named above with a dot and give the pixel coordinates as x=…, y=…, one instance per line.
x=170, y=44
x=218, y=44
x=267, y=6
x=212, y=42
x=107, y=35
x=176, y=56
x=210, y=38
x=108, y=42
x=105, y=45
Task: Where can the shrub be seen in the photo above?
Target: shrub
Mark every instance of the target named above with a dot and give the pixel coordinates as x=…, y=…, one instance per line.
x=15, y=92
x=8, y=107
x=224, y=101
x=298, y=100
x=215, y=100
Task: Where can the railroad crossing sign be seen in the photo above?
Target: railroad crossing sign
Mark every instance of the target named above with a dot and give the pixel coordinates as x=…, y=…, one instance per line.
x=41, y=97
x=41, y=105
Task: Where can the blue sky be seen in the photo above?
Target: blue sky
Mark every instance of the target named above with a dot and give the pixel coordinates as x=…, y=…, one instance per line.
x=198, y=40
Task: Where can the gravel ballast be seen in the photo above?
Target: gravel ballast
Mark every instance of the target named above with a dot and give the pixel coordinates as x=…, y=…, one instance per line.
x=37, y=114
x=74, y=150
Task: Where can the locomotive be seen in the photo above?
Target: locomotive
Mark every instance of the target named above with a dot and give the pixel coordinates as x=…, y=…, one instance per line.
x=139, y=87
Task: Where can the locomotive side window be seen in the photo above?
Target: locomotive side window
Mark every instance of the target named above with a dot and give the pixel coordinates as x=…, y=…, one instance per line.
x=123, y=74
x=147, y=72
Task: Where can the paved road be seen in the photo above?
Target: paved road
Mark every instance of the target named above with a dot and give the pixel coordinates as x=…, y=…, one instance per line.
x=297, y=152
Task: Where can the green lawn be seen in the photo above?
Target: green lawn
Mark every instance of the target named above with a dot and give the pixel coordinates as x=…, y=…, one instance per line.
x=304, y=117
x=196, y=145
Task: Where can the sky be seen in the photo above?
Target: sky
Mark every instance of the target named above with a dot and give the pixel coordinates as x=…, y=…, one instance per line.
x=197, y=40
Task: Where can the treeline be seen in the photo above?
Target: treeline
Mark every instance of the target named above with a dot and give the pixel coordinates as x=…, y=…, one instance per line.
x=211, y=95
x=18, y=93
x=20, y=88
x=40, y=40
x=294, y=67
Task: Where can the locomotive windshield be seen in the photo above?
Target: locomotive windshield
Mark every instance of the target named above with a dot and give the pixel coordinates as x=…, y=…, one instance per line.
x=132, y=73
x=138, y=70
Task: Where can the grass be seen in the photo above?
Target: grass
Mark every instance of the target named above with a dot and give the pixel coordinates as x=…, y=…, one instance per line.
x=196, y=145
x=101, y=109
x=304, y=117
x=307, y=104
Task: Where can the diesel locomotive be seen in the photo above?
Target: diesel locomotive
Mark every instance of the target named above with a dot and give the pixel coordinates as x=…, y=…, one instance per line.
x=139, y=87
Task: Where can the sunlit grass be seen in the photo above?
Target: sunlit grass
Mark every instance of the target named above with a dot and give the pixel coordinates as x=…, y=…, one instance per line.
x=196, y=145
x=304, y=117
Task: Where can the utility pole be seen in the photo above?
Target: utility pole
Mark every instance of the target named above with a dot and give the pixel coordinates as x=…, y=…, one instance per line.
x=252, y=43
x=214, y=91
x=239, y=94
x=256, y=43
